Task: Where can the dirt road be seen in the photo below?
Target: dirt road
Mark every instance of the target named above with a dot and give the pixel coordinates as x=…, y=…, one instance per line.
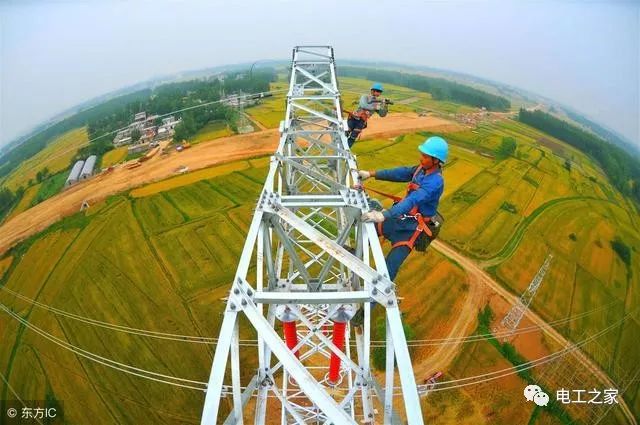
x=441, y=358
x=481, y=276
x=202, y=155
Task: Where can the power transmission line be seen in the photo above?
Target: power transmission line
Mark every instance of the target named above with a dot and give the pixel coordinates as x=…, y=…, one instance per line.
x=87, y=143
x=147, y=374
x=441, y=386
x=253, y=342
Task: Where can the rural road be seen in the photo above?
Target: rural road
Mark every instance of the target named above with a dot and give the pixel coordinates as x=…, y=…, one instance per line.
x=479, y=275
x=464, y=324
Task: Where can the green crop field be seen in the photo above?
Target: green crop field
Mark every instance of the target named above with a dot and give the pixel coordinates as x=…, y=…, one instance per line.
x=211, y=131
x=56, y=156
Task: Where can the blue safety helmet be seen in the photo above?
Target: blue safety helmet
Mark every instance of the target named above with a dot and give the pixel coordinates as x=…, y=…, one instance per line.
x=435, y=146
x=377, y=86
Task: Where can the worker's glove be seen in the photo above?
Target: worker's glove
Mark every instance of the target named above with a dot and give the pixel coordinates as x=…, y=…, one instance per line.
x=363, y=174
x=372, y=217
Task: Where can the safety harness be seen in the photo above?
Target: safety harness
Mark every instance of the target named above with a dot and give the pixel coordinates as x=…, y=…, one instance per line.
x=364, y=114
x=422, y=226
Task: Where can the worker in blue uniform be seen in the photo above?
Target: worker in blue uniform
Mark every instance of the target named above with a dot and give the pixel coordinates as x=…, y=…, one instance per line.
x=367, y=106
x=414, y=219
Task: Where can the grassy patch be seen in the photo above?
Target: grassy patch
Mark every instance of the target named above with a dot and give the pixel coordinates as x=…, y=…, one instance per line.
x=50, y=187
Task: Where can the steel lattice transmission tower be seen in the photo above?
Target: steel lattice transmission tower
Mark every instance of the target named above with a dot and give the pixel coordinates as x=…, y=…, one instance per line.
x=514, y=316
x=296, y=274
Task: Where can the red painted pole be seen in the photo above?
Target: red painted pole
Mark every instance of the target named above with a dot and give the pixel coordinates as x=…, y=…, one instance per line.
x=291, y=335
x=338, y=341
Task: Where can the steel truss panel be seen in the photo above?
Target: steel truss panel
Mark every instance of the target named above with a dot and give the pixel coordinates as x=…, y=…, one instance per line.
x=310, y=261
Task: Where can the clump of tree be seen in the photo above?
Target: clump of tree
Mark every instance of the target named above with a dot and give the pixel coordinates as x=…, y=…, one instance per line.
x=573, y=237
x=42, y=174
x=567, y=164
x=507, y=148
x=509, y=352
x=622, y=249
x=97, y=147
x=135, y=135
x=463, y=196
x=622, y=168
x=507, y=206
x=193, y=121
x=8, y=199
x=439, y=88
x=188, y=94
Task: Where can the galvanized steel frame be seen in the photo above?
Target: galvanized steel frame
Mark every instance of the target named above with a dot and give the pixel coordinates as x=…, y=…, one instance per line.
x=295, y=255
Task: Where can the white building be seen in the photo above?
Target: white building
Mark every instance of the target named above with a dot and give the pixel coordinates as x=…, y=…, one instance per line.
x=87, y=168
x=75, y=173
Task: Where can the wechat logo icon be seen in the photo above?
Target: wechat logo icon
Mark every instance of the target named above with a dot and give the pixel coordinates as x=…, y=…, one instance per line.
x=534, y=393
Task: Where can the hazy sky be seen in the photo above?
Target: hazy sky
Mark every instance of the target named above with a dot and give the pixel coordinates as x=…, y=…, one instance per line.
x=56, y=54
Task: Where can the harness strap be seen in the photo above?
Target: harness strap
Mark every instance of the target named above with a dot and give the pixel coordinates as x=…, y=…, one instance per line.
x=359, y=114
x=422, y=223
x=388, y=195
x=422, y=227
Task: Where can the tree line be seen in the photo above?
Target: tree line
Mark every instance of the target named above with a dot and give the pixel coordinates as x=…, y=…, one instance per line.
x=118, y=112
x=622, y=168
x=176, y=96
x=439, y=88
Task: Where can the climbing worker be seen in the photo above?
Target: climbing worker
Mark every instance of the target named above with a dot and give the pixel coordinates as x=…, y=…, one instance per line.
x=413, y=221
x=368, y=105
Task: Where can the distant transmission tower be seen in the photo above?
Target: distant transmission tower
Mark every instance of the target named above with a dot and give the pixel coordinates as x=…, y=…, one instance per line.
x=308, y=264
x=244, y=126
x=514, y=316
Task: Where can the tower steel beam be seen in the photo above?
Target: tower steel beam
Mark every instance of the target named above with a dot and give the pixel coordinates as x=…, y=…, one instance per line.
x=307, y=265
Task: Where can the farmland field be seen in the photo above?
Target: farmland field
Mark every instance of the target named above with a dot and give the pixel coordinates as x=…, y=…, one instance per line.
x=56, y=156
x=270, y=111
x=189, y=178
x=24, y=204
x=114, y=156
x=170, y=250
x=5, y=263
x=212, y=130
x=161, y=257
